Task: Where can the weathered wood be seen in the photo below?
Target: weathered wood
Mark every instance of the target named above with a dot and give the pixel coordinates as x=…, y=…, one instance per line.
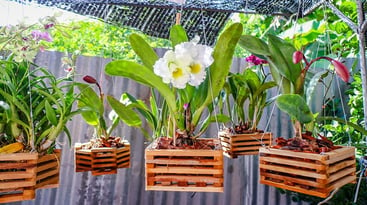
x=234, y=145
x=184, y=169
x=308, y=173
x=102, y=161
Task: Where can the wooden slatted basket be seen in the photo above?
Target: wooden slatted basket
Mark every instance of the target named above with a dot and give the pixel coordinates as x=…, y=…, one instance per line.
x=184, y=169
x=308, y=173
x=234, y=145
x=48, y=169
x=22, y=173
x=102, y=161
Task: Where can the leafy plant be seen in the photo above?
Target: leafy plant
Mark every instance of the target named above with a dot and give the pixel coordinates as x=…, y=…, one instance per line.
x=92, y=109
x=183, y=105
x=248, y=86
x=286, y=69
x=35, y=105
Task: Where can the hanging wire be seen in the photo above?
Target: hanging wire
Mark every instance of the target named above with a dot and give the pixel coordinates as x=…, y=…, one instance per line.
x=210, y=85
x=281, y=81
x=32, y=138
x=363, y=169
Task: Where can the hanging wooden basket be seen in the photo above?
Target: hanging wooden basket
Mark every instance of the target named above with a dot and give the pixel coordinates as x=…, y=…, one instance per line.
x=102, y=161
x=307, y=173
x=184, y=169
x=234, y=145
x=22, y=173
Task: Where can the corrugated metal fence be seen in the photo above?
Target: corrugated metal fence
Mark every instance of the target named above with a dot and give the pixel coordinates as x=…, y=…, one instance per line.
x=127, y=187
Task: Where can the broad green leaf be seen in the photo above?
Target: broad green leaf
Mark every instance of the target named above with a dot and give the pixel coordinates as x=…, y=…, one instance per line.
x=284, y=84
x=142, y=75
x=143, y=50
x=282, y=56
x=90, y=99
x=127, y=115
x=177, y=35
x=218, y=71
x=254, y=45
x=89, y=116
x=50, y=113
x=295, y=106
x=260, y=90
x=252, y=80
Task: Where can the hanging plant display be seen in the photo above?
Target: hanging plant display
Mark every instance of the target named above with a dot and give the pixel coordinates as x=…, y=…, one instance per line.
x=244, y=138
x=178, y=160
x=105, y=153
x=35, y=107
x=308, y=163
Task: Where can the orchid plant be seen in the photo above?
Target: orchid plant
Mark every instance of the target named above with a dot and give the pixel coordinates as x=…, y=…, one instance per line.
x=92, y=107
x=290, y=75
x=188, y=77
x=249, y=86
x=35, y=106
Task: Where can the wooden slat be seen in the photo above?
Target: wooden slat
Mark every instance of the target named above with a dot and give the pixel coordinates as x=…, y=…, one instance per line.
x=18, y=175
x=292, y=162
x=185, y=170
x=25, y=194
x=187, y=189
x=206, y=179
x=184, y=162
x=18, y=156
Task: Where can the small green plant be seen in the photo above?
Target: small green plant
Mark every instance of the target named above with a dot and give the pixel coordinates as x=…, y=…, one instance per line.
x=92, y=109
x=249, y=86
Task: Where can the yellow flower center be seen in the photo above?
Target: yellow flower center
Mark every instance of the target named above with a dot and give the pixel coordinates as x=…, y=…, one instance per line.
x=177, y=73
x=195, y=68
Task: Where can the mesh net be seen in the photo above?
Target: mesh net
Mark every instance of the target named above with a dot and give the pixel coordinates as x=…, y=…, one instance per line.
x=155, y=17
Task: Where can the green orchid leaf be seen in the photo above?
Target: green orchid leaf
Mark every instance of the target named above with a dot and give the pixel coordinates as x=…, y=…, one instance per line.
x=262, y=88
x=143, y=50
x=252, y=80
x=90, y=99
x=50, y=113
x=89, y=115
x=142, y=75
x=312, y=85
x=282, y=56
x=254, y=45
x=218, y=71
x=127, y=115
x=295, y=106
x=177, y=35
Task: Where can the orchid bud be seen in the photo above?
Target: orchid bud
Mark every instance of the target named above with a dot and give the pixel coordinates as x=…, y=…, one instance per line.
x=89, y=79
x=297, y=57
x=341, y=70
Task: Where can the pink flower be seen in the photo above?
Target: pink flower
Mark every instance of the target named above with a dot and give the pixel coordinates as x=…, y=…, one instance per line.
x=297, y=57
x=254, y=60
x=341, y=70
x=39, y=35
